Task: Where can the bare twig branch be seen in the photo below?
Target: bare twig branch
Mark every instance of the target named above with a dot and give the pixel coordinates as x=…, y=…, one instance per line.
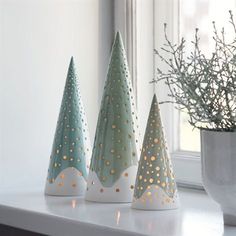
x=204, y=87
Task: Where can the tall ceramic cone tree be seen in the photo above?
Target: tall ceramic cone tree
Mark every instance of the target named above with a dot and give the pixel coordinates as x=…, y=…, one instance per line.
x=114, y=159
x=155, y=186
x=67, y=172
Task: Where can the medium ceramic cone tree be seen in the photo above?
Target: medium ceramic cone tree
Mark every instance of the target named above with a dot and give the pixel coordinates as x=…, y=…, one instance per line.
x=67, y=172
x=114, y=160
x=155, y=187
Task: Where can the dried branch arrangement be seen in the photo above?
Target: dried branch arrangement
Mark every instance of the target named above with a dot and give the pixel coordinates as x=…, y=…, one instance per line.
x=204, y=87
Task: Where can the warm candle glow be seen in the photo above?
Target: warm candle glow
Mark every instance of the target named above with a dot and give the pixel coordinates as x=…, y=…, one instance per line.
x=118, y=217
x=73, y=204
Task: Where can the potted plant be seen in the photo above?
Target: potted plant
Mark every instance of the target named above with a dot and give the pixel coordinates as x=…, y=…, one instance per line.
x=205, y=87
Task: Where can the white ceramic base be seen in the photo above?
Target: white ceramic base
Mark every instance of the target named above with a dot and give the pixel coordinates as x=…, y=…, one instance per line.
x=229, y=216
x=218, y=152
x=155, y=198
x=68, y=183
x=120, y=192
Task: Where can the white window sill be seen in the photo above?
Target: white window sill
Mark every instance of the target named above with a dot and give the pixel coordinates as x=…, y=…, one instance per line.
x=60, y=216
x=187, y=166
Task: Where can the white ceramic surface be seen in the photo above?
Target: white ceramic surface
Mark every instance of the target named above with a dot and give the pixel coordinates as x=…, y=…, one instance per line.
x=122, y=191
x=30, y=209
x=68, y=183
x=155, y=198
x=218, y=151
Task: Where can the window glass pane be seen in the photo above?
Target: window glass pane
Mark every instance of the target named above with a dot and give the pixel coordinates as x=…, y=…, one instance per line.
x=189, y=137
x=200, y=14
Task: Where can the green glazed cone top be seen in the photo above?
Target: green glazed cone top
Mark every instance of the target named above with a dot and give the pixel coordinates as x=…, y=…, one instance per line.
x=116, y=140
x=71, y=141
x=155, y=166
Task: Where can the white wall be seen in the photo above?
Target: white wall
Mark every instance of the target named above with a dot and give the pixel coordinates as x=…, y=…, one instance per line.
x=37, y=39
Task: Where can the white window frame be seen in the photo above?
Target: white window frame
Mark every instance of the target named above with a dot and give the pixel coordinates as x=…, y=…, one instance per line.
x=187, y=165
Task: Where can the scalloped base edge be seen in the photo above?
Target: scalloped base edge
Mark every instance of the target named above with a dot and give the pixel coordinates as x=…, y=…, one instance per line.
x=155, y=198
x=68, y=183
x=121, y=191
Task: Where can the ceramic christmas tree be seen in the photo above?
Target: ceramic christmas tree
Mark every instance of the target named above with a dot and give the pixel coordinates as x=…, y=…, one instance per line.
x=67, y=172
x=114, y=160
x=155, y=187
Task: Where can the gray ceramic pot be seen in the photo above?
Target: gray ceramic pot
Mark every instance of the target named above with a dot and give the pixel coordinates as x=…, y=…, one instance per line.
x=218, y=151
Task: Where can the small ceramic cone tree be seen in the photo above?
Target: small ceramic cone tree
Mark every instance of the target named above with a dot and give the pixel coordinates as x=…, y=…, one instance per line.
x=67, y=172
x=155, y=187
x=114, y=160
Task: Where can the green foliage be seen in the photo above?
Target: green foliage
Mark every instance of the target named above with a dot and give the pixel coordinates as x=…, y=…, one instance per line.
x=204, y=87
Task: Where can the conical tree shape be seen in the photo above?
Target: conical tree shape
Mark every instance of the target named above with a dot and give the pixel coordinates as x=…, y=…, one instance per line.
x=155, y=187
x=114, y=160
x=67, y=172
